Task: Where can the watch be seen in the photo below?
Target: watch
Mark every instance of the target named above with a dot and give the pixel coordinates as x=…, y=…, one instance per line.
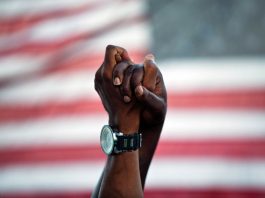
x=113, y=142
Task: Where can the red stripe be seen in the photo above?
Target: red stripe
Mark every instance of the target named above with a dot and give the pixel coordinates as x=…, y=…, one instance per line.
x=49, y=109
x=248, y=99
x=87, y=62
x=231, y=148
x=154, y=193
x=51, y=154
x=44, y=47
x=206, y=193
x=235, y=149
x=254, y=99
x=23, y=21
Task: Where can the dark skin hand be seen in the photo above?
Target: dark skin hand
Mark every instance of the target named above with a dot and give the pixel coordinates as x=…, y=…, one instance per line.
x=110, y=95
x=144, y=83
x=121, y=176
x=135, y=98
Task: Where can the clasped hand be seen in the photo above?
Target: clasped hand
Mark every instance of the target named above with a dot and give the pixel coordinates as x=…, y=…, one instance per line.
x=132, y=94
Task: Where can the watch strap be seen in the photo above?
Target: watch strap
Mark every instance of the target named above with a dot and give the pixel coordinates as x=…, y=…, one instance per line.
x=129, y=142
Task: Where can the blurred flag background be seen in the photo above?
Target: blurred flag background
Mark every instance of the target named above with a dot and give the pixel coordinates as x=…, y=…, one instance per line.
x=211, y=54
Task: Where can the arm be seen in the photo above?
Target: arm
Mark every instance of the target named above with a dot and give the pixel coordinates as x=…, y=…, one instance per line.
x=149, y=90
x=121, y=177
x=145, y=84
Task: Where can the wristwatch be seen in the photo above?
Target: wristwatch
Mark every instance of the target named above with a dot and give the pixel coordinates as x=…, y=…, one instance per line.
x=113, y=142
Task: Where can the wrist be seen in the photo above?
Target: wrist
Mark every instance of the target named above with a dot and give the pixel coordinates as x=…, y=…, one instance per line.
x=125, y=124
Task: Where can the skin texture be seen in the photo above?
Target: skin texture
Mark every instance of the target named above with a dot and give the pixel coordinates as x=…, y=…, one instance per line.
x=145, y=84
x=135, y=98
x=119, y=112
x=125, y=166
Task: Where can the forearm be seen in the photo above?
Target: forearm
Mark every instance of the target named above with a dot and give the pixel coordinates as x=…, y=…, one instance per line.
x=151, y=137
x=122, y=176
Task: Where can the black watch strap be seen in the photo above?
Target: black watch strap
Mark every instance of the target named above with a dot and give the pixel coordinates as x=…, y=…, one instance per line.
x=129, y=142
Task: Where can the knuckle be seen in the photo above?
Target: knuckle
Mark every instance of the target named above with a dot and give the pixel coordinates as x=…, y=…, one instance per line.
x=137, y=77
x=152, y=68
x=110, y=48
x=145, y=96
x=118, y=58
x=150, y=85
x=129, y=70
x=106, y=76
x=119, y=68
x=125, y=90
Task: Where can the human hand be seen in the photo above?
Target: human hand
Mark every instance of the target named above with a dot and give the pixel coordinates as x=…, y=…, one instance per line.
x=122, y=116
x=145, y=84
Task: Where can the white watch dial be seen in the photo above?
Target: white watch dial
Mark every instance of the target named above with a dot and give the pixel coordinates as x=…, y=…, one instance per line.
x=106, y=139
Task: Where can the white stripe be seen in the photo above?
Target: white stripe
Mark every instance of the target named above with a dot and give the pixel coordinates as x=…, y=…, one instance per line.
x=11, y=8
x=76, y=24
x=216, y=73
x=60, y=177
x=57, y=87
x=73, y=129
x=164, y=173
x=196, y=124
x=179, y=125
x=203, y=172
x=139, y=38
x=20, y=65
x=139, y=35
x=86, y=22
x=206, y=75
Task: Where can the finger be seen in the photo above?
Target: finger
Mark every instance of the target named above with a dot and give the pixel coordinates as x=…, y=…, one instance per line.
x=150, y=72
x=149, y=99
x=126, y=84
x=118, y=72
x=124, y=56
x=118, y=58
x=115, y=52
x=112, y=53
x=137, y=77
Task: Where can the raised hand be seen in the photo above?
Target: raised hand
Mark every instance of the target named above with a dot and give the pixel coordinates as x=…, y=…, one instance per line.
x=122, y=116
x=121, y=176
x=144, y=84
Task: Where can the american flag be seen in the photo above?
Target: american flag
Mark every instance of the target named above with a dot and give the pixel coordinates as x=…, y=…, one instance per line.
x=213, y=140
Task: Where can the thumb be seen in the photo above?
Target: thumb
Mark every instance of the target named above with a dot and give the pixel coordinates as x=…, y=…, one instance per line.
x=150, y=72
x=149, y=99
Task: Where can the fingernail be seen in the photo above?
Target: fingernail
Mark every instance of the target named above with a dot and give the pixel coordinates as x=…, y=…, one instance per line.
x=149, y=57
x=126, y=99
x=117, y=81
x=139, y=90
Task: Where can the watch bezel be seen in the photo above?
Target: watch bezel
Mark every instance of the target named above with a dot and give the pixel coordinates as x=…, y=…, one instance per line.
x=105, y=131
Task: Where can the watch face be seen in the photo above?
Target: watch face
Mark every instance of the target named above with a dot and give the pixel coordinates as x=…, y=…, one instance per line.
x=106, y=139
